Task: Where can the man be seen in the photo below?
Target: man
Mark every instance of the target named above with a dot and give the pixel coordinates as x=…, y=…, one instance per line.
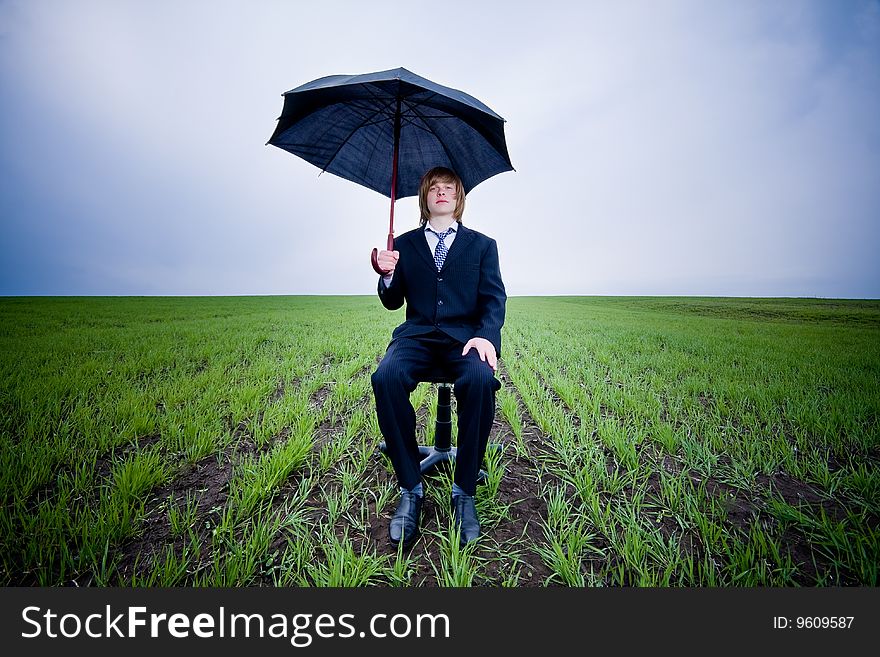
x=449, y=277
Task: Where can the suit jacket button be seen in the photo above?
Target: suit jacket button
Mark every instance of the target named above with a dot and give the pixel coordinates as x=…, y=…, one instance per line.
x=440, y=303
x=439, y=279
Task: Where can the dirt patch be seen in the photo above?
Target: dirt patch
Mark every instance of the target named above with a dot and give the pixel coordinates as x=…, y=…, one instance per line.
x=207, y=482
x=278, y=393
x=102, y=469
x=797, y=493
x=205, y=486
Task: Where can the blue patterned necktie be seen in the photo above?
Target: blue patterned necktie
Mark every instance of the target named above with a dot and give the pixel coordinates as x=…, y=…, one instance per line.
x=441, y=250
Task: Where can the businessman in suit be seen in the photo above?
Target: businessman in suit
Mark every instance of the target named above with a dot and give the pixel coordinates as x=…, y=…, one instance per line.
x=448, y=276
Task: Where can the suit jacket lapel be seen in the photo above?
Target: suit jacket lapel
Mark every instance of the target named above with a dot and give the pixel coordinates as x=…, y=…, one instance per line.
x=462, y=239
x=423, y=249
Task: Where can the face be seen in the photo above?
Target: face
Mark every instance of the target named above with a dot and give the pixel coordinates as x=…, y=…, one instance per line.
x=441, y=198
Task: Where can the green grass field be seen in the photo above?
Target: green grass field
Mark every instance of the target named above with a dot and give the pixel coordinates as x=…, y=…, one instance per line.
x=231, y=441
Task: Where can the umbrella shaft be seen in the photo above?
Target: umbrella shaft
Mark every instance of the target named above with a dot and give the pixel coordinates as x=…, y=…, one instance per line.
x=394, y=174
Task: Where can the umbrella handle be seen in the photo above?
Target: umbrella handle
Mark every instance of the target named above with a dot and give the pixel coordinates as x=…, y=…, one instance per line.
x=374, y=258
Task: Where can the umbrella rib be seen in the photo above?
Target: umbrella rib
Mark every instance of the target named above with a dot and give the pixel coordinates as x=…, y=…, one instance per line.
x=373, y=151
x=372, y=109
x=416, y=114
x=414, y=104
x=382, y=98
x=387, y=115
x=366, y=117
x=436, y=136
x=367, y=121
x=409, y=121
x=378, y=134
x=413, y=113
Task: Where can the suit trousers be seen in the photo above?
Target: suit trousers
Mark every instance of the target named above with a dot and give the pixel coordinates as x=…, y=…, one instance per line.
x=406, y=362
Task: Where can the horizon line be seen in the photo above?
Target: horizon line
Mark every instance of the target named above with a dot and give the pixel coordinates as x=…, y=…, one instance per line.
x=514, y=296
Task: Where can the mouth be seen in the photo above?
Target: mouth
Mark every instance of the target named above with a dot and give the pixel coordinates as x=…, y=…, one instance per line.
x=442, y=201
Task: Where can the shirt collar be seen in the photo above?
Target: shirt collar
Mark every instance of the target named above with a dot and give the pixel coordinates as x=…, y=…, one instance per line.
x=453, y=227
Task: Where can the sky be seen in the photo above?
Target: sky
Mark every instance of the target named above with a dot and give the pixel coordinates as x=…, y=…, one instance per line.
x=661, y=148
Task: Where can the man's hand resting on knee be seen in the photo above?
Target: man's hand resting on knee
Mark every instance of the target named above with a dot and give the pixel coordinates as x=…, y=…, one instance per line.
x=486, y=350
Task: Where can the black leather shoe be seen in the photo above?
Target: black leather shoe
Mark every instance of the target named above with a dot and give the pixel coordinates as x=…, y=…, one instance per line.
x=404, y=527
x=464, y=514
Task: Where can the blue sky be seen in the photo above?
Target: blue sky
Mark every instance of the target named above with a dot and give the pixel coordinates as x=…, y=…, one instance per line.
x=672, y=148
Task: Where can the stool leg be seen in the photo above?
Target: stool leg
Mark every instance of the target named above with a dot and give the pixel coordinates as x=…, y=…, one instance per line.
x=443, y=427
x=442, y=450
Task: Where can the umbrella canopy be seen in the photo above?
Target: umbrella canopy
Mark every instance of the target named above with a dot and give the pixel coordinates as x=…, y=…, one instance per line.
x=363, y=127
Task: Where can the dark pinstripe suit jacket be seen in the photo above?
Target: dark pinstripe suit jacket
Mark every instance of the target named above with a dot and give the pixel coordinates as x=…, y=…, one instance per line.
x=465, y=299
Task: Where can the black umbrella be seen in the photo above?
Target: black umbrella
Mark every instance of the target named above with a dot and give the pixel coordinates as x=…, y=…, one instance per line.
x=384, y=130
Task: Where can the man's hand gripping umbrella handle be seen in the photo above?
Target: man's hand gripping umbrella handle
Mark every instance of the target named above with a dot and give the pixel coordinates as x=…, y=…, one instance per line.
x=375, y=257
